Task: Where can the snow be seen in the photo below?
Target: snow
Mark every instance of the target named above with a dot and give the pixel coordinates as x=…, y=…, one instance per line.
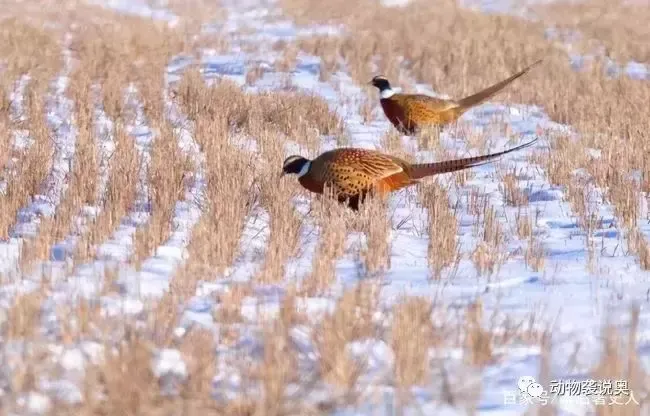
x=138, y=8
x=570, y=291
x=395, y=3
x=64, y=390
x=35, y=403
x=567, y=296
x=169, y=362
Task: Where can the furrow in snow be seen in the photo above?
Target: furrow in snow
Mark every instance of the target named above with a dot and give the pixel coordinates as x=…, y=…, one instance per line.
x=58, y=110
x=117, y=250
x=155, y=272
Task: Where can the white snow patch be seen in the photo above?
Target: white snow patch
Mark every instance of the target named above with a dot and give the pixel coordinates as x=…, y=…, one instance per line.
x=395, y=3
x=35, y=403
x=169, y=361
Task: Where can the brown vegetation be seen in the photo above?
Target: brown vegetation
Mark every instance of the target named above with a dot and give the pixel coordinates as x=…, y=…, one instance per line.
x=249, y=213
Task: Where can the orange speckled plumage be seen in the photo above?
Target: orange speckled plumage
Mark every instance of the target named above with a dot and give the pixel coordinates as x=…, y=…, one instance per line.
x=410, y=112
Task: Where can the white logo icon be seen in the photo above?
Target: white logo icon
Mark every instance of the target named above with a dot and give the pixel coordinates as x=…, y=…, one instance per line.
x=535, y=390
x=528, y=385
x=524, y=382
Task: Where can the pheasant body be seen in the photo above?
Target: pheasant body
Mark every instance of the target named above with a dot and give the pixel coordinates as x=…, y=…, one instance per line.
x=410, y=112
x=352, y=173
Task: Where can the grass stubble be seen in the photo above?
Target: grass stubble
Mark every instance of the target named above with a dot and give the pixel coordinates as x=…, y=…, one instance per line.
x=604, y=111
x=221, y=117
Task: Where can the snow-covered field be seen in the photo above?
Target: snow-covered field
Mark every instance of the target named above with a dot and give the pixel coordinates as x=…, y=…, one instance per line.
x=535, y=301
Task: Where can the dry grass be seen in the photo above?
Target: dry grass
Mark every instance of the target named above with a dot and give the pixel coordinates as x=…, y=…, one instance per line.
x=82, y=177
x=377, y=228
x=350, y=321
x=28, y=49
x=443, y=250
x=411, y=334
x=24, y=316
x=277, y=369
x=30, y=172
x=230, y=311
x=276, y=199
x=301, y=116
x=535, y=255
x=524, y=225
x=216, y=238
x=331, y=246
x=620, y=361
x=490, y=252
x=113, y=54
x=479, y=342
x=513, y=194
x=167, y=171
x=120, y=194
x=617, y=27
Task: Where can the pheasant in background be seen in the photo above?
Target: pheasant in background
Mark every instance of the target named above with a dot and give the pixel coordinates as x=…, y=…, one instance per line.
x=411, y=112
x=351, y=173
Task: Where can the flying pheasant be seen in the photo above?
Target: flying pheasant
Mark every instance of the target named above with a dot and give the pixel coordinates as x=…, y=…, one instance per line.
x=410, y=112
x=351, y=173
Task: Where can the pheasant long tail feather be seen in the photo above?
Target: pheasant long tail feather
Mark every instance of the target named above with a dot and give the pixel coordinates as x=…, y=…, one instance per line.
x=422, y=170
x=476, y=99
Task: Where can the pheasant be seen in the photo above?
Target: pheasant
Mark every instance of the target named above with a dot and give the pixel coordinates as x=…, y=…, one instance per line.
x=410, y=112
x=352, y=173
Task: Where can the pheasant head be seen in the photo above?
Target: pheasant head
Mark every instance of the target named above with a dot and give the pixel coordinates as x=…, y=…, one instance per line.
x=382, y=83
x=296, y=165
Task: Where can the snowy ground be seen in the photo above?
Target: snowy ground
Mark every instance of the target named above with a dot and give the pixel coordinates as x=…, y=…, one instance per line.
x=566, y=297
x=575, y=300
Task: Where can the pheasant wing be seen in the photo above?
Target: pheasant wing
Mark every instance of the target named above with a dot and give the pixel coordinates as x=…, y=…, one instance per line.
x=360, y=172
x=424, y=107
x=434, y=104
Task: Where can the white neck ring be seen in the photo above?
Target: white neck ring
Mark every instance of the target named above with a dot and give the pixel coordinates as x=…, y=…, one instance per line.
x=387, y=93
x=304, y=169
